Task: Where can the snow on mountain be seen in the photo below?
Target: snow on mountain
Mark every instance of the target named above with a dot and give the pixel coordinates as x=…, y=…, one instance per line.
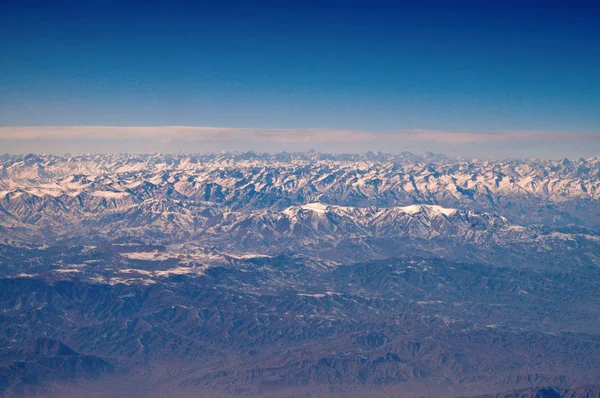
x=249, y=270
x=261, y=200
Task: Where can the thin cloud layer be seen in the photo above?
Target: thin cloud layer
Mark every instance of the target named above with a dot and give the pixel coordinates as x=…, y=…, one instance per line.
x=225, y=134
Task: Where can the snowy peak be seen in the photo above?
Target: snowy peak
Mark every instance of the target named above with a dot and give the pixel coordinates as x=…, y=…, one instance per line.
x=432, y=210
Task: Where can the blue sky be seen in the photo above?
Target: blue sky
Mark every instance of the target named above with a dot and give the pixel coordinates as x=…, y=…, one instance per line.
x=383, y=68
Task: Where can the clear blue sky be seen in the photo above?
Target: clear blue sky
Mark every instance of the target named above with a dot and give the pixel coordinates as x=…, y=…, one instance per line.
x=378, y=66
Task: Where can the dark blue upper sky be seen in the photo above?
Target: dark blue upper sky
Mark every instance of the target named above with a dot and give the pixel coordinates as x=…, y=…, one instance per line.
x=379, y=66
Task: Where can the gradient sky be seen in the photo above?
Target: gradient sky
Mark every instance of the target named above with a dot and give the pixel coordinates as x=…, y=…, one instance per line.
x=382, y=67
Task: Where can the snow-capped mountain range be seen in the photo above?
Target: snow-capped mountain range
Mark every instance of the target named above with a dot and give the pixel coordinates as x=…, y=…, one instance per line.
x=281, y=274
x=344, y=207
x=41, y=189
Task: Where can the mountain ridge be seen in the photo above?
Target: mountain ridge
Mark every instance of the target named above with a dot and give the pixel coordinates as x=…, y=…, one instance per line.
x=297, y=275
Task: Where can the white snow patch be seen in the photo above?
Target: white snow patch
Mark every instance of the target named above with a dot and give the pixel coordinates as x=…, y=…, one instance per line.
x=179, y=271
x=110, y=194
x=318, y=295
x=317, y=207
x=148, y=256
x=24, y=275
x=435, y=209
x=248, y=256
x=412, y=209
x=135, y=270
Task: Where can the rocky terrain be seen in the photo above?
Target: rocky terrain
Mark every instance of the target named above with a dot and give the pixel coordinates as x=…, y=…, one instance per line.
x=298, y=275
